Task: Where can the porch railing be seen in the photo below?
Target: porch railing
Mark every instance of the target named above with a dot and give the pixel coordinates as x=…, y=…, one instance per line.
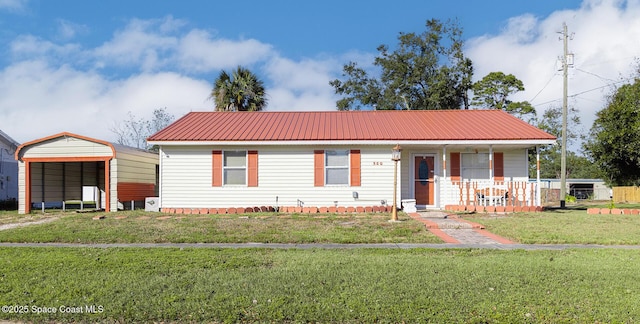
x=498, y=193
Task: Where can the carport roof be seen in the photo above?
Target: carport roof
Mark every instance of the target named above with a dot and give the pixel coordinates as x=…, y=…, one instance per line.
x=112, y=147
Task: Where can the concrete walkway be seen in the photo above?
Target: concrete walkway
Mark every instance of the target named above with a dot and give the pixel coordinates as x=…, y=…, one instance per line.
x=454, y=230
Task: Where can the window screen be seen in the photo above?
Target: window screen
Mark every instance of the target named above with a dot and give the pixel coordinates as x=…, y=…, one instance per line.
x=475, y=166
x=337, y=167
x=235, y=167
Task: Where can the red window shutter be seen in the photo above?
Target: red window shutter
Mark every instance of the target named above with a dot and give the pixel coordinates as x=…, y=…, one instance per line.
x=455, y=166
x=217, y=168
x=498, y=166
x=252, y=168
x=355, y=168
x=318, y=168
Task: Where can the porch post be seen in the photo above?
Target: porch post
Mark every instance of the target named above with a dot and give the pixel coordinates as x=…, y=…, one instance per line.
x=538, y=190
x=444, y=184
x=491, y=193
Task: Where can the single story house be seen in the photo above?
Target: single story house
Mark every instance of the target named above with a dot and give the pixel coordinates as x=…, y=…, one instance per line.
x=344, y=159
x=8, y=169
x=66, y=168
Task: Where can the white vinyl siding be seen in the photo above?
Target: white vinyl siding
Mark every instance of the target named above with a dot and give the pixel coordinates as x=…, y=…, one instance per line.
x=284, y=173
x=516, y=165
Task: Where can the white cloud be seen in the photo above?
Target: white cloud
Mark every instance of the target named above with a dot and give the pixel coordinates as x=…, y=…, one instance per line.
x=301, y=86
x=153, y=45
x=604, y=44
x=69, y=30
x=28, y=47
x=141, y=44
x=39, y=100
x=13, y=5
x=199, y=52
x=521, y=29
x=54, y=85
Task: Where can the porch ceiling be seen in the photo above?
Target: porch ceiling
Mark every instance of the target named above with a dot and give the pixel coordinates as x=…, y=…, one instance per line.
x=470, y=147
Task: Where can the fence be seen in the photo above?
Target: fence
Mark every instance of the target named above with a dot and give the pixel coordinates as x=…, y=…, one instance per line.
x=626, y=194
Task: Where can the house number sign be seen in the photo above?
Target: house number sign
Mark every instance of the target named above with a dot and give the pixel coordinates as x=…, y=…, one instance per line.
x=377, y=163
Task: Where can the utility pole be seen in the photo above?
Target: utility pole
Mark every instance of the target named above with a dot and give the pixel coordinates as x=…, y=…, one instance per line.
x=563, y=161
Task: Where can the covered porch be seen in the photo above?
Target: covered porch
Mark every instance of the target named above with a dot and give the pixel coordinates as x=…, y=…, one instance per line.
x=478, y=176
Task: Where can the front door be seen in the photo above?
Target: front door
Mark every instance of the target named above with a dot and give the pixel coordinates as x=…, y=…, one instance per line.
x=423, y=179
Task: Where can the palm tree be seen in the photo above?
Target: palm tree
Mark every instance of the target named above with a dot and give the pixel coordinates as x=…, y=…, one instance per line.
x=241, y=91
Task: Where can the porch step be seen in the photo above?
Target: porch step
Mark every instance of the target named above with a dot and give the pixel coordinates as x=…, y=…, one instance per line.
x=444, y=223
x=441, y=220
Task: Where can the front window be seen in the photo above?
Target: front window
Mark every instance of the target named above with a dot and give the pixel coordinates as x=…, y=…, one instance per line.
x=235, y=167
x=475, y=166
x=337, y=167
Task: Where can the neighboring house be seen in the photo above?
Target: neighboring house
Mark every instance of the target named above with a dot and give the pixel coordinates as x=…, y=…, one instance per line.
x=581, y=189
x=326, y=159
x=68, y=169
x=8, y=168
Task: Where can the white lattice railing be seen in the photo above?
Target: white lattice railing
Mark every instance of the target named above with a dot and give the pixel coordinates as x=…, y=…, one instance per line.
x=490, y=193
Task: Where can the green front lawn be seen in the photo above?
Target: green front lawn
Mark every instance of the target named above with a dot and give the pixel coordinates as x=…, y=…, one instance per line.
x=353, y=286
x=563, y=227
x=141, y=227
x=570, y=226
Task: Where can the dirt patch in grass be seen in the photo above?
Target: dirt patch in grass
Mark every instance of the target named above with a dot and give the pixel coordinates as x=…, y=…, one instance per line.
x=23, y=224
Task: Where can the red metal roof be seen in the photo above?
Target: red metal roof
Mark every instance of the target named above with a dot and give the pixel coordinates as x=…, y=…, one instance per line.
x=350, y=126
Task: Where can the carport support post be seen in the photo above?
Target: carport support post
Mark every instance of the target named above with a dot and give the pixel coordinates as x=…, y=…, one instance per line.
x=107, y=185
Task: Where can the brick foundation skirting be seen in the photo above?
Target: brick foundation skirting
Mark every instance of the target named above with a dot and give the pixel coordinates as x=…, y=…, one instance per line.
x=613, y=211
x=493, y=209
x=283, y=209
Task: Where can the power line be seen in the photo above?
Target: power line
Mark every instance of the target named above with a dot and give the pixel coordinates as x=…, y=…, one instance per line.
x=583, y=92
x=595, y=75
x=544, y=87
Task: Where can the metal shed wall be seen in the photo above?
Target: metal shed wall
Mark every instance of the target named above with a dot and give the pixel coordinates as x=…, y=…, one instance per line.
x=136, y=174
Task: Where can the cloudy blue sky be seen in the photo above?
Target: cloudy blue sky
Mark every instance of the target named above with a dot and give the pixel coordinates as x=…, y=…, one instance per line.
x=81, y=65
